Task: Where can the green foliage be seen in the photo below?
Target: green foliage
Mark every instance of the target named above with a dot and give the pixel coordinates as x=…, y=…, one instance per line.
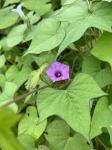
x=7, y=17
x=99, y=120
x=92, y=66
x=17, y=76
x=7, y=2
x=16, y=35
x=27, y=141
x=29, y=129
x=8, y=93
x=58, y=136
x=103, y=47
x=79, y=20
x=29, y=124
x=34, y=77
x=40, y=7
x=69, y=114
x=2, y=61
x=8, y=140
x=48, y=31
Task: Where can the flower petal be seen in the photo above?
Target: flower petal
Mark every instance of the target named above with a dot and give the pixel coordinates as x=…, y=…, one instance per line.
x=19, y=10
x=57, y=66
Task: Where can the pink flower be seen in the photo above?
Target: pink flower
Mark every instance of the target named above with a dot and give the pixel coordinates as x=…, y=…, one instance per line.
x=58, y=71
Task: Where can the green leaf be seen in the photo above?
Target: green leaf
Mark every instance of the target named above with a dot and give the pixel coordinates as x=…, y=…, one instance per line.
x=2, y=80
x=104, y=139
x=110, y=132
x=79, y=20
x=30, y=34
x=8, y=140
x=92, y=66
x=33, y=18
x=40, y=7
x=46, y=57
x=7, y=17
x=17, y=76
x=71, y=104
x=4, y=45
x=35, y=77
x=27, y=141
x=9, y=90
x=101, y=117
x=103, y=48
x=8, y=94
x=67, y=2
x=29, y=124
x=58, y=136
x=2, y=60
x=7, y=2
x=107, y=0
x=16, y=35
x=43, y=147
x=48, y=31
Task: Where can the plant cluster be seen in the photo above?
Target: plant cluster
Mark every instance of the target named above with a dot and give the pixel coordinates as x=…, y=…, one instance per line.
x=55, y=74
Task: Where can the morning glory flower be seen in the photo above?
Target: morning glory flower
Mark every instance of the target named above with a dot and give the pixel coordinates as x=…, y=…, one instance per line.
x=19, y=11
x=58, y=71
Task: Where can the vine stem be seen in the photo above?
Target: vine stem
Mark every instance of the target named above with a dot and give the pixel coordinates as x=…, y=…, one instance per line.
x=73, y=64
x=18, y=98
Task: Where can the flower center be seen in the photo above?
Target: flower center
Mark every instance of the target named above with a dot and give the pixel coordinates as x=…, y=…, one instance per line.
x=58, y=74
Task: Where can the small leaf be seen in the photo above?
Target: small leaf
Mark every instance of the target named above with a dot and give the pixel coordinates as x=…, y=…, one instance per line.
x=29, y=124
x=92, y=66
x=58, y=136
x=7, y=17
x=16, y=35
x=103, y=48
x=27, y=141
x=107, y=0
x=67, y=2
x=101, y=117
x=7, y=2
x=2, y=60
x=40, y=7
x=49, y=34
x=43, y=147
x=8, y=140
x=13, y=74
x=4, y=45
x=33, y=18
x=34, y=77
x=8, y=94
x=110, y=132
x=2, y=80
x=46, y=57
